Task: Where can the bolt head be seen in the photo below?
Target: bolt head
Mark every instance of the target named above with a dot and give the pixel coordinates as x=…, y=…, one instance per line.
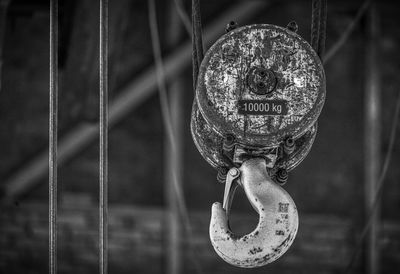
x=261, y=81
x=283, y=173
x=292, y=26
x=289, y=141
x=233, y=172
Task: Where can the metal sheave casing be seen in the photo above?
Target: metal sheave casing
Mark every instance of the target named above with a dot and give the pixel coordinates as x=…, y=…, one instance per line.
x=294, y=79
x=260, y=83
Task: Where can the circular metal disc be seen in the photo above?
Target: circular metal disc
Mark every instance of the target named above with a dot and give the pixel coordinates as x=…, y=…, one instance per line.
x=270, y=67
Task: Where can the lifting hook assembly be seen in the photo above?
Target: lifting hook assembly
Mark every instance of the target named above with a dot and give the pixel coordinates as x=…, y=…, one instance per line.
x=260, y=90
x=278, y=218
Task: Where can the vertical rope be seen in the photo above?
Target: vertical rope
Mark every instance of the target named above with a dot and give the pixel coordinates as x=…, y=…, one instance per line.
x=103, y=165
x=322, y=29
x=318, y=26
x=314, y=24
x=197, y=40
x=53, y=117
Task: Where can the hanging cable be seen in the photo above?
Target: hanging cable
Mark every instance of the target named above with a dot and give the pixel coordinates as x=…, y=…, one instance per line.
x=103, y=165
x=53, y=123
x=197, y=40
x=346, y=34
x=166, y=115
x=314, y=24
x=322, y=29
x=380, y=185
x=318, y=26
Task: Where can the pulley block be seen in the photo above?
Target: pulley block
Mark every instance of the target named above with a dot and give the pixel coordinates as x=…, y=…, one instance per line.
x=260, y=90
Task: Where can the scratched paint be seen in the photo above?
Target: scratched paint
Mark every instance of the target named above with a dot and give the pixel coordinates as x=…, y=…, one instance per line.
x=276, y=229
x=299, y=80
x=209, y=143
x=279, y=80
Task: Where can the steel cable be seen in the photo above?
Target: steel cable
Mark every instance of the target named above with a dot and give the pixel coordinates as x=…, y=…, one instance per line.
x=315, y=24
x=103, y=145
x=53, y=123
x=322, y=29
x=197, y=40
x=318, y=26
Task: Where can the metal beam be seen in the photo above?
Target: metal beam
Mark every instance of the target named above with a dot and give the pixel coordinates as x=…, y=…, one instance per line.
x=129, y=98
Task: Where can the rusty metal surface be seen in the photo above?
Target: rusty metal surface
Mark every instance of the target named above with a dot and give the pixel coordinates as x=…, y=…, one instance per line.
x=277, y=226
x=207, y=140
x=210, y=143
x=259, y=93
x=291, y=73
x=303, y=146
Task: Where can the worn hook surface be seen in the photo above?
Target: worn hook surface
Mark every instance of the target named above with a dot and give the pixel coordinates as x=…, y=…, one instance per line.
x=277, y=226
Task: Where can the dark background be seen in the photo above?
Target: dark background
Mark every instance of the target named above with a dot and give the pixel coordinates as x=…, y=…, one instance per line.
x=328, y=187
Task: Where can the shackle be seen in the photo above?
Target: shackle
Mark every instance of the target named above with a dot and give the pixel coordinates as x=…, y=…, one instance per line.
x=278, y=218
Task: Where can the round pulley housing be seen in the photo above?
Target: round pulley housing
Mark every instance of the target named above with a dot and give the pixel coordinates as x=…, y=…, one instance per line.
x=258, y=87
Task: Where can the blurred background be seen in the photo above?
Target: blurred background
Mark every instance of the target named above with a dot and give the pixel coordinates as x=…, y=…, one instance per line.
x=332, y=187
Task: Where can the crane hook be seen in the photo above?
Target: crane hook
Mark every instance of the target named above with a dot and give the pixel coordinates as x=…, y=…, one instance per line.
x=278, y=221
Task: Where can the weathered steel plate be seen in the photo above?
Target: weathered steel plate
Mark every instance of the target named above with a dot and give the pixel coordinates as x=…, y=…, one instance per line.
x=261, y=63
x=209, y=143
